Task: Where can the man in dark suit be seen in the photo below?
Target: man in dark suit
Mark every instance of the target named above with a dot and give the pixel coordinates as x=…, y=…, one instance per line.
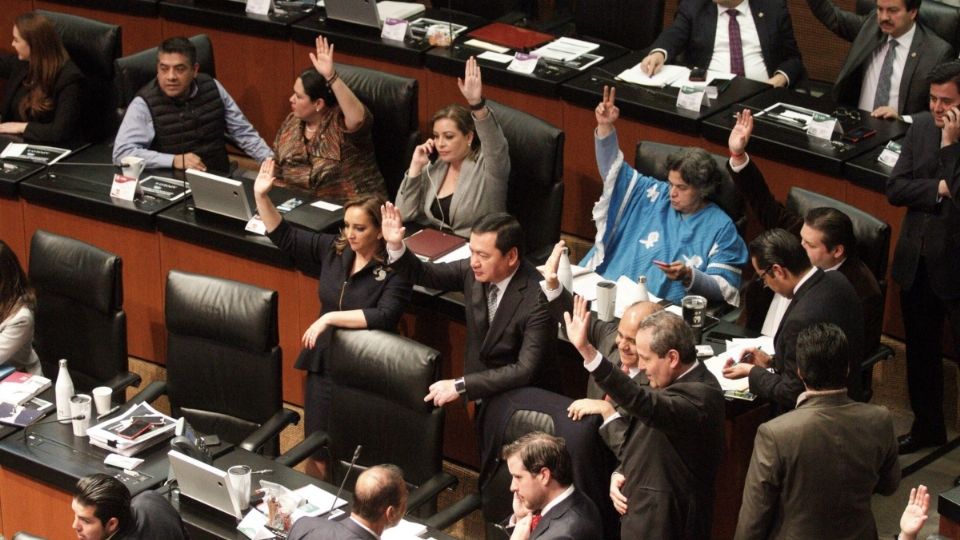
x=815, y=296
x=509, y=332
x=379, y=502
x=753, y=38
x=868, y=80
x=925, y=181
x=545, y=504
x=814, y=469
x=665, y=484
x=825, y=233
x=102, y=509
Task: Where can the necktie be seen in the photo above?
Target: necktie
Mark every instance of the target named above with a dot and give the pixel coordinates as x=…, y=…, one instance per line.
x=492, y=302
x=736, y=46
x=534, y=521
x=886, y=70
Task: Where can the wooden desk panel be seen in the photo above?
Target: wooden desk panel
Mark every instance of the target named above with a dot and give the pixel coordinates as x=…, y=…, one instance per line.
x=140, y=251
x=257, y=72
x=179, y=255
x=11, y=227
x=138, y=33
x=34, y=507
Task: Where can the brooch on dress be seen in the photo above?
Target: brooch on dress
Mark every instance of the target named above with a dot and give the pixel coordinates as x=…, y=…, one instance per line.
x=379, y=273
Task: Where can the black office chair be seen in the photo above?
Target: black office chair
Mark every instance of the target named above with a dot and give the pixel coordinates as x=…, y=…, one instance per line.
x=633, y=24
x=535, y=190
x=393, y=102
x=93, y=46
x=873, y=248
x=79, y=312
x=136, y=70
x=224, y=361
x=940, y=17
x=378, y=383
x=488, y=9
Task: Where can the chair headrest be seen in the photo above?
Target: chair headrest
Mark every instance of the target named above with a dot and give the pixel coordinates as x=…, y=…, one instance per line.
x=221, y=310
x=943, y=19
x=135, y=70
x=93, y=45
x=76, y=270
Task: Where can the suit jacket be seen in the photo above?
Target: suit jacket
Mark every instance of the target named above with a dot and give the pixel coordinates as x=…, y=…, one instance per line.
x=321, y=528
x=507, y=352
x=825, y=297
x=672, y=453
x=814, y=469
x=931, y=228
x=574, y=518
x=695, y=27
x=926, y=52
x=153, y=518
x=59, y=125
x=771, y=214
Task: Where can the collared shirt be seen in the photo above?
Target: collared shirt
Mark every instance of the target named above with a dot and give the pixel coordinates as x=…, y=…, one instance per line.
x=502, y=287
x=557, y=500
x=136, y=132
x=753, y=65
x=814, y=393
x=871, y=76
x=804, y=279
x=364, y=527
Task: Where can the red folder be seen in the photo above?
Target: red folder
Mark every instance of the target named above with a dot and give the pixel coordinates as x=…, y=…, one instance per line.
x=511, y=36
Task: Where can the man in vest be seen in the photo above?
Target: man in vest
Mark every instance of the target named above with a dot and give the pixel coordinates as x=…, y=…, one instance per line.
x=184, y=118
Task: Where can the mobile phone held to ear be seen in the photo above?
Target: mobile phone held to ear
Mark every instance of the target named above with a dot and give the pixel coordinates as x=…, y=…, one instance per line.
x=698, y=74
x=434, y=155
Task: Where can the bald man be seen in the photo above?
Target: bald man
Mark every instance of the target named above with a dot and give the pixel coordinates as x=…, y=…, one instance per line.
x=379, y=502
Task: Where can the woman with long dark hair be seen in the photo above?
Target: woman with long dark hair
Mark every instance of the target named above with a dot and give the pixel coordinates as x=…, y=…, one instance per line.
x=16, y=314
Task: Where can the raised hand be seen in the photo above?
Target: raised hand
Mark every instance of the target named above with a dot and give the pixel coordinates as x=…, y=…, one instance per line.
x=578, y=325
x=552, y=264
x=265, y=178
x=471, y=86
x=322, y=59
x=606, y=112
x=740, y=134
x=391, y=226
x=915, y=514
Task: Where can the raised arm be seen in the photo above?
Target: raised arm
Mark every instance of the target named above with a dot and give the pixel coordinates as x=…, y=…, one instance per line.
x=351, y=106
x=261, y=189
x=843, y=23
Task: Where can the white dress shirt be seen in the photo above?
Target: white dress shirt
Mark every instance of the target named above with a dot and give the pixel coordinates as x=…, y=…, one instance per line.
x=753, y=64
x=868, y=87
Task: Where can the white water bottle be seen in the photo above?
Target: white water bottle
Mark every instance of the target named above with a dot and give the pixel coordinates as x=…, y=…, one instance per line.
x=564, y=272
x=642, y=294
x=64, y=391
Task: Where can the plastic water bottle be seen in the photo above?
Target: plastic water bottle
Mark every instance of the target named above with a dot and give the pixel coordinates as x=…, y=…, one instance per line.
x=642, y=294
x=64, y=391
x=564, y=272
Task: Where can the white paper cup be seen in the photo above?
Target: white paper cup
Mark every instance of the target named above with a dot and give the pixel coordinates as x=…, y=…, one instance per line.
x=132, y=166
x=606, y=300
x=81, y=405
x=102, y=398
x=240, y=484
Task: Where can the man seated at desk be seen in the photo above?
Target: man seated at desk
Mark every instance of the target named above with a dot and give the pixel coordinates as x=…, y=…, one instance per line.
x=669, y=231
x=750, y=38
x=379, y=502
x=184, y=118
x=103, y=509
x=891, y=57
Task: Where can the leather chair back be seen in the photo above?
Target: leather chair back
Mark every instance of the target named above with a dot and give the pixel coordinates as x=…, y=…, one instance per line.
x=651, y=160
x=393, y=102
x=488, y=9
x=79, y=312
x=378, y=383
x=136, y=70
x=223, y=355
x=940, y=17
x=633, y=24
x=93, y=46
x=535, y=190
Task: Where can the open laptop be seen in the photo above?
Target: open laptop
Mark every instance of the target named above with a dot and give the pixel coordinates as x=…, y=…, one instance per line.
x=369, y=12
x=220, y=195
x=204, y=483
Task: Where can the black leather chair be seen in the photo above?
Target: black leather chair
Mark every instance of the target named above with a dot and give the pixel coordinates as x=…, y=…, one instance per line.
x=873, y=248
x=224, y=361
x=633, y=24
x=488, y=9
x=135, y=70
x=535, y=190
x=378, y=383
x=393, y=102
x=79, y=312
x=940, y=17
x=93, y=46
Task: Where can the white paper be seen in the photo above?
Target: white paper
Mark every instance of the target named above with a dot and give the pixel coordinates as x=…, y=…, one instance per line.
x=690, y=98
x=404, y=530
x=254, y=525
x=495, y=57
x=461, y=252
x=715, y=365
x=256, y=226
x=487, y=46
x=324, y=205
x=258, y=7
x=523, y=63
x=564, y=49
x=122, y=462
x=394, y=29
x=123, y=187
x=667, y=75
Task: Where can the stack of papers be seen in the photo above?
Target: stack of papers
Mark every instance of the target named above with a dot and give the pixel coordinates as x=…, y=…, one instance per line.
x=668, y=74
x=19, y=387
x=565, y=49
x=105, y=435
x=734, y=351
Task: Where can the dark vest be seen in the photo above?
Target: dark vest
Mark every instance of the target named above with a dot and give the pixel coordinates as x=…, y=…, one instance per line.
x=196, y=124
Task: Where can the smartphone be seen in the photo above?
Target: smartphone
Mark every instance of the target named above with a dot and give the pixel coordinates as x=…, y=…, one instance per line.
x=434, y=155
x=858, y=134
x=698, y=74
x=135, y=429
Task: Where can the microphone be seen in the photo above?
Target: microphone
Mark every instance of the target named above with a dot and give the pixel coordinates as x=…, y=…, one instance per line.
x=356, y=454
x=26, y=429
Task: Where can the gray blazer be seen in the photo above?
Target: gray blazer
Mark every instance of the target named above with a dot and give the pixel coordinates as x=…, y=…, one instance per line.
x=16, y=341
x=481, y=188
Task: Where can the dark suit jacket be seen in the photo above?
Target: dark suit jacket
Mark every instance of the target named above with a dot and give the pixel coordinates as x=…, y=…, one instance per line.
x=574, y=518
x=321, y=528
x=153, y=518
x=695, y=27
x=926, y=52
x=62, y=124
x=814, y=469
x=772, y=215
x=930, y=229
x=510, y=352
x=825, y=297
x=672, y=453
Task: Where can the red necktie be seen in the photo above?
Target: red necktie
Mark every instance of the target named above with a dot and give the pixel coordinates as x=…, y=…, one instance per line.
x=534, y=521
x=736, y=46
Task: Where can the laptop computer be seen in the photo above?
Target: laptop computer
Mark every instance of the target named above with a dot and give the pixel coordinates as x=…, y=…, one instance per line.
x=369, y=12
x=220, y=195
x=204, y=483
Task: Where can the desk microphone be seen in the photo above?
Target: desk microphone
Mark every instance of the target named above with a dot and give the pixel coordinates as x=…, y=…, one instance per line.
x=26, y=428
x=356, y=454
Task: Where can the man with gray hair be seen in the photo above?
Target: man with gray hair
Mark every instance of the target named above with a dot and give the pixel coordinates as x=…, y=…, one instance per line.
x=664, y=487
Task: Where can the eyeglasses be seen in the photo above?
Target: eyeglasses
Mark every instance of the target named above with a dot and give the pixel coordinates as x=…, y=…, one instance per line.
x=763, y=277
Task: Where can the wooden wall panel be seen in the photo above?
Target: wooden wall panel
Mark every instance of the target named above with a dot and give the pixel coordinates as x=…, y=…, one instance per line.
x=9, y=11
x=11, y=227
x=138, y=33
x=29, y=505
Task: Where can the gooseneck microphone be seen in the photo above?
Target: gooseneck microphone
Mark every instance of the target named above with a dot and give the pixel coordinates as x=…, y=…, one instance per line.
x=356, y=454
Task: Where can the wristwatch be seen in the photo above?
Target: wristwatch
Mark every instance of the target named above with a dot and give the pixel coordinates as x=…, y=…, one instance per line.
x=460, y=386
